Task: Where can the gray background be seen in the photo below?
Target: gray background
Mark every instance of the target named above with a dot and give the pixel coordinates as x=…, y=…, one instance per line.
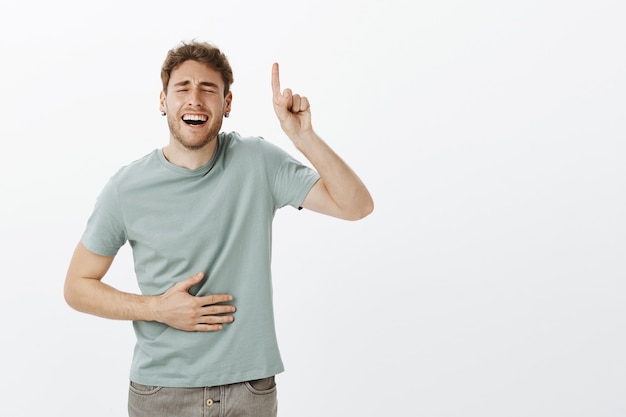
x=489, y=281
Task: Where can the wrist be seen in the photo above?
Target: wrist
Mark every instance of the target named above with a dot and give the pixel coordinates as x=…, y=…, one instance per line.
x=304, y=140
x=151, y=308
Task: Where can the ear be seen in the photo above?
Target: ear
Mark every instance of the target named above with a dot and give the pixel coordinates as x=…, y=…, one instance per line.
x=162, y=105
x=228, y=101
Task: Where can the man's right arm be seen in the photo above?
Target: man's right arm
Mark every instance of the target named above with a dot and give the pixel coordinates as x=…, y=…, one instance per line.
x=85, y=292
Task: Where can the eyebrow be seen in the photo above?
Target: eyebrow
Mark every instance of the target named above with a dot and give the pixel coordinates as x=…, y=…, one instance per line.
x=202, y=83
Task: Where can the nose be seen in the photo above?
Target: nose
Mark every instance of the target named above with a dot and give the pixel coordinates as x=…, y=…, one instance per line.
x=194, y=97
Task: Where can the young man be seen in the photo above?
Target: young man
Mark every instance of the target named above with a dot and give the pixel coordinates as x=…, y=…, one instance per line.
x=197, y=214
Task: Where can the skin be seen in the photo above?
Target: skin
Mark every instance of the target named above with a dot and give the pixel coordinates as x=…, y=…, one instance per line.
x=339, y=192
x=197, y=89
x=194, y=89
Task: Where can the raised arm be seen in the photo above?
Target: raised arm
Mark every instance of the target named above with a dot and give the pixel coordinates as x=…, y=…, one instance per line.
x=85, y=292
x=339, y=192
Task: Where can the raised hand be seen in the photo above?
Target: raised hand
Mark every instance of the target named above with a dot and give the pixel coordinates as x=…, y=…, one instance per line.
x=293, y=111
x=181, y=310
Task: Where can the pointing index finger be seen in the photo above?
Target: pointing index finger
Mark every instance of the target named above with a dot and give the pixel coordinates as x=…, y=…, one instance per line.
x=275, y=80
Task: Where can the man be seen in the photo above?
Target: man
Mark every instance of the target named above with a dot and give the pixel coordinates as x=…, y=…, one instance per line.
x=197, y=214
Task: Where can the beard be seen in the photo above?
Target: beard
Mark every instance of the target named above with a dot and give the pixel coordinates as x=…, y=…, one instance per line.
x=189, y=140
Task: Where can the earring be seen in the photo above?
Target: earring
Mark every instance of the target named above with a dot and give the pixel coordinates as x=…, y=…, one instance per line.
x=226, y=114
x=163, y=113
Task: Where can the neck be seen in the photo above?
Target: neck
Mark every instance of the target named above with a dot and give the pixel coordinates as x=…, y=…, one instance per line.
x=187, y=158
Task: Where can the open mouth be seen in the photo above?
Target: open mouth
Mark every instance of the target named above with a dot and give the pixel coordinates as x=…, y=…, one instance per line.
x=194, y=119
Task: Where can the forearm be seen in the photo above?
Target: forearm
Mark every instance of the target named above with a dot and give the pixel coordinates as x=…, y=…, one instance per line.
x=93, y=296
x=175, y=308
x=343, y=185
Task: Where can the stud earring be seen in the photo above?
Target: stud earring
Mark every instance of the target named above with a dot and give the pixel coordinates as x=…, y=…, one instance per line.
x=227, y=114
x=163, y=113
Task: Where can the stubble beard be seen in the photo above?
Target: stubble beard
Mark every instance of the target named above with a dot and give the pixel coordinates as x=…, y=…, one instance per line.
x=193, y=145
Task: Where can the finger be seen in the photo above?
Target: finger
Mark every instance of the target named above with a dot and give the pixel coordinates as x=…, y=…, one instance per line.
x=300, y=103
x=287, y=98
x=216, y=309
x=275, y=80
x=212, y=323
x=214, y=299
x=202, y=327
x=217, y=320
x=304, y=104
x=295, y=104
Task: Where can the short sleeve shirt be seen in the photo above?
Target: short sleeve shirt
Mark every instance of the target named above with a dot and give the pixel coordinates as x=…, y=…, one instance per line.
x=216, y=219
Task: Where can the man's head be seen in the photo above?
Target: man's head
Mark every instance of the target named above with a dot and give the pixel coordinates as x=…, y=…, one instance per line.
x=196, y=93
x=202, y=52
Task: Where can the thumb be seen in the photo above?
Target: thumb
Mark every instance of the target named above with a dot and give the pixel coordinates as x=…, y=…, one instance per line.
x=189, y=282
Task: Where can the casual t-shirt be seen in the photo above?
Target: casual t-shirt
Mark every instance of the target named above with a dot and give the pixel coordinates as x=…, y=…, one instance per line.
x=216, y=219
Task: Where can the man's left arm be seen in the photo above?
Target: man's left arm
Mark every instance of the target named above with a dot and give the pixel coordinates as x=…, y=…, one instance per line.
x=339, y=192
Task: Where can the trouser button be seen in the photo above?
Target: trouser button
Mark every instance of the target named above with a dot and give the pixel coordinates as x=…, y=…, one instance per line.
x=209, y=402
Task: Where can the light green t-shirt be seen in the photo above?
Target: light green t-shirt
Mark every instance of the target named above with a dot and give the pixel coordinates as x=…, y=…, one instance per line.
x=216, y=219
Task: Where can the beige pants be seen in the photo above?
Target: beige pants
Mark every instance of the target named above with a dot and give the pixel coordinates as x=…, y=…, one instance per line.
x=251, y=398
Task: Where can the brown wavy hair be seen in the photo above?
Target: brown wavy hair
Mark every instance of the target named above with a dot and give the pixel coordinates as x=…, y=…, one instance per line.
x=202, y=52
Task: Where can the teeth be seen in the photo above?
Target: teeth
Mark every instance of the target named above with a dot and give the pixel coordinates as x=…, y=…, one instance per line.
x=195, y=117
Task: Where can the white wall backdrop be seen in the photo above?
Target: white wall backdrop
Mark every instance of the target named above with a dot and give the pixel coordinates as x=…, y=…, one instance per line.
x=489, y=281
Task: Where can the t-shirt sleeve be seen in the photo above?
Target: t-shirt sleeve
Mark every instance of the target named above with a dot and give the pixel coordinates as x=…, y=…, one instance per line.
x=289, y=179
x=105, y=233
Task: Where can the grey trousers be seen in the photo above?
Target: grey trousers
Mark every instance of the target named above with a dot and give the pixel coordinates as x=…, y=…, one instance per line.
x=252, y=398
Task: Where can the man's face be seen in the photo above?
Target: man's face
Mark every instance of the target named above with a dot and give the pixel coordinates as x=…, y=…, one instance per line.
x=195, y=104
